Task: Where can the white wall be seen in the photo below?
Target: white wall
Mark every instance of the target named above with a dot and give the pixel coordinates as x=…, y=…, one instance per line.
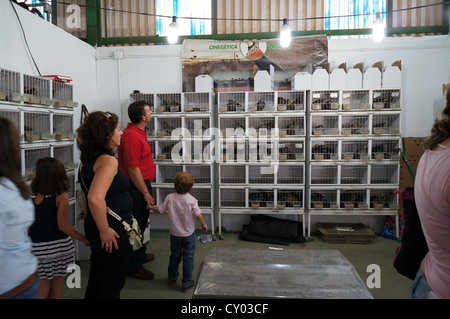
x=149, y=69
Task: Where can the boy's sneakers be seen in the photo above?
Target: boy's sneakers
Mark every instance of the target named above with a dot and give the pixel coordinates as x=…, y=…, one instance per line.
x=185, y=289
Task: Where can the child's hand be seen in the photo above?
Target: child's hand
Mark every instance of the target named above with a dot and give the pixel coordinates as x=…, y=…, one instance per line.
x=205, y=227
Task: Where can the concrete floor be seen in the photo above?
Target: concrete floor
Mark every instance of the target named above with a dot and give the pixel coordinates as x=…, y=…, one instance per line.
x=380, y=252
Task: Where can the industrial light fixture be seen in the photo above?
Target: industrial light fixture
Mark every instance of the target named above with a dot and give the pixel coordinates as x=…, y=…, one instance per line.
x=378, y=28
x=285, y=34
x=172, y=32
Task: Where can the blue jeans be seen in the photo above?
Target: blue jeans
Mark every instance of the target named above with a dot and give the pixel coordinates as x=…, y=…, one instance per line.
x=30, y=292
x=420, y=288
x=182, y=247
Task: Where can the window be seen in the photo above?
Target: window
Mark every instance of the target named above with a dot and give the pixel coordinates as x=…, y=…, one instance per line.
x=352, y=14
x=184, y=8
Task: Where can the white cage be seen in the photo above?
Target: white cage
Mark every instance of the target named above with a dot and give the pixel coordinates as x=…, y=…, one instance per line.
x=166, y=173
x=321, y=198
x=386, y=124
x=353, y=198
x=9, y=85
x=232, y=174
x=63, y=126
x=290, y=174
x=231, y=102
x=65, y=154
x=37, y=126
x=168, y=102
x=261, y=198
x=232, y=197
x=261, y=101
x=291, y=126
x=35, y=88
x=324, y=149
x=289, y=199
x=355, y=100
x=386, y=99
x=355, y=150
x=385, y=149
x=355, y=125
x=196, y=102
x=198, y=126
x=147, y=97
x=325, y=101
x=324, y=124
x=323, y=174
x=291, y=101
x=384, y=174
x=31, y=155
x=291, y=150
x=383, y=198
x=166, y=126
x=354, y=174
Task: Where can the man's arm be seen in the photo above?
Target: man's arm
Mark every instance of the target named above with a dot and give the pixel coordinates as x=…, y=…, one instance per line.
x=138, y=181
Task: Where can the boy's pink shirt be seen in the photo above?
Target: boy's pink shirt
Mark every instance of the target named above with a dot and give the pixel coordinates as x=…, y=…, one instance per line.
x=182, y=209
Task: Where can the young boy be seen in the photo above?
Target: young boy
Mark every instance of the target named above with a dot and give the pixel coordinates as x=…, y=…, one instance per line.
x=182, y=209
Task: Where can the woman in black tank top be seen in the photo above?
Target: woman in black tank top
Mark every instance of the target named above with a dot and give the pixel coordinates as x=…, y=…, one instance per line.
x=104, y=185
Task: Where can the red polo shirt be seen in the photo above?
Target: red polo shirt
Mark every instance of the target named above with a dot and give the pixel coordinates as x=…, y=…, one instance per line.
x=134, y=151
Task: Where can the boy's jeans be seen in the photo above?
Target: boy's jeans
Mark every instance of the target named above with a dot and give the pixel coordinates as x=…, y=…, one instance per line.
x=182, y=247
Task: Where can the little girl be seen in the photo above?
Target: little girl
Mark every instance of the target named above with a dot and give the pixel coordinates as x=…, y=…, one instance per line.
x=51, y=232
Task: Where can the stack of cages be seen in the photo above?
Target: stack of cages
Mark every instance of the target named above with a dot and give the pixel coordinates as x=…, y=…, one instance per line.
x=179, y=135
x=262, y=152
x=354, y=151
x=385, y=148
x=46, y=128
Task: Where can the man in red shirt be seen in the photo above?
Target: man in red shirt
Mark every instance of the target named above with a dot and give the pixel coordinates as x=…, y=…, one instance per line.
x=136, y=161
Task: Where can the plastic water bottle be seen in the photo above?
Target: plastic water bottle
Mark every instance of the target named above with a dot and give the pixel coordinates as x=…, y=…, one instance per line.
x=204, y=238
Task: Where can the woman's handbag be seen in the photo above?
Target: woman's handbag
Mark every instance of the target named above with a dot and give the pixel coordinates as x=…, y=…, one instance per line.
x=133, y=231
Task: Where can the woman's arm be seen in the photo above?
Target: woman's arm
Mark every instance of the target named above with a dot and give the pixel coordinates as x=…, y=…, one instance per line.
x=105, y=168
x=62, y=202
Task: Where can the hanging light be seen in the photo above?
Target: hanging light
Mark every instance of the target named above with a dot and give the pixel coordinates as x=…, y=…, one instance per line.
x=378, y=28
x=172, y=32
x=285, y=34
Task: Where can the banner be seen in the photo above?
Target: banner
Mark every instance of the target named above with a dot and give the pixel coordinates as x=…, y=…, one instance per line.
x=233, y=64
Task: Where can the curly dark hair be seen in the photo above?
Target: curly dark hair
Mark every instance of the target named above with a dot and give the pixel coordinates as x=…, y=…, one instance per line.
x=183, y=182
x=94, y=134
x=441, y=128
x=51, y=177
x=10, y=156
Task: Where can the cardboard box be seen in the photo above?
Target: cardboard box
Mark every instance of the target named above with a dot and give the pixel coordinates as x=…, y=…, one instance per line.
x=413, y=150
x=320, y=80
x=263, y=81
x=355, y=76
x=204, y=83
x=301, y=81
x=338, y=78
x=373, y=76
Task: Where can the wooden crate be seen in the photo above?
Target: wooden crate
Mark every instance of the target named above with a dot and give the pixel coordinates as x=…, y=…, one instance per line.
x=342, y=233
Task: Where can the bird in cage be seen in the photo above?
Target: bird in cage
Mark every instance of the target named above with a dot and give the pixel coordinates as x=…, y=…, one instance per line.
x=260, y=104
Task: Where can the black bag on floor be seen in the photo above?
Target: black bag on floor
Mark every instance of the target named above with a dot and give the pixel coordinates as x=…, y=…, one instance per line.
x=413, y=249
x=267, y=229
